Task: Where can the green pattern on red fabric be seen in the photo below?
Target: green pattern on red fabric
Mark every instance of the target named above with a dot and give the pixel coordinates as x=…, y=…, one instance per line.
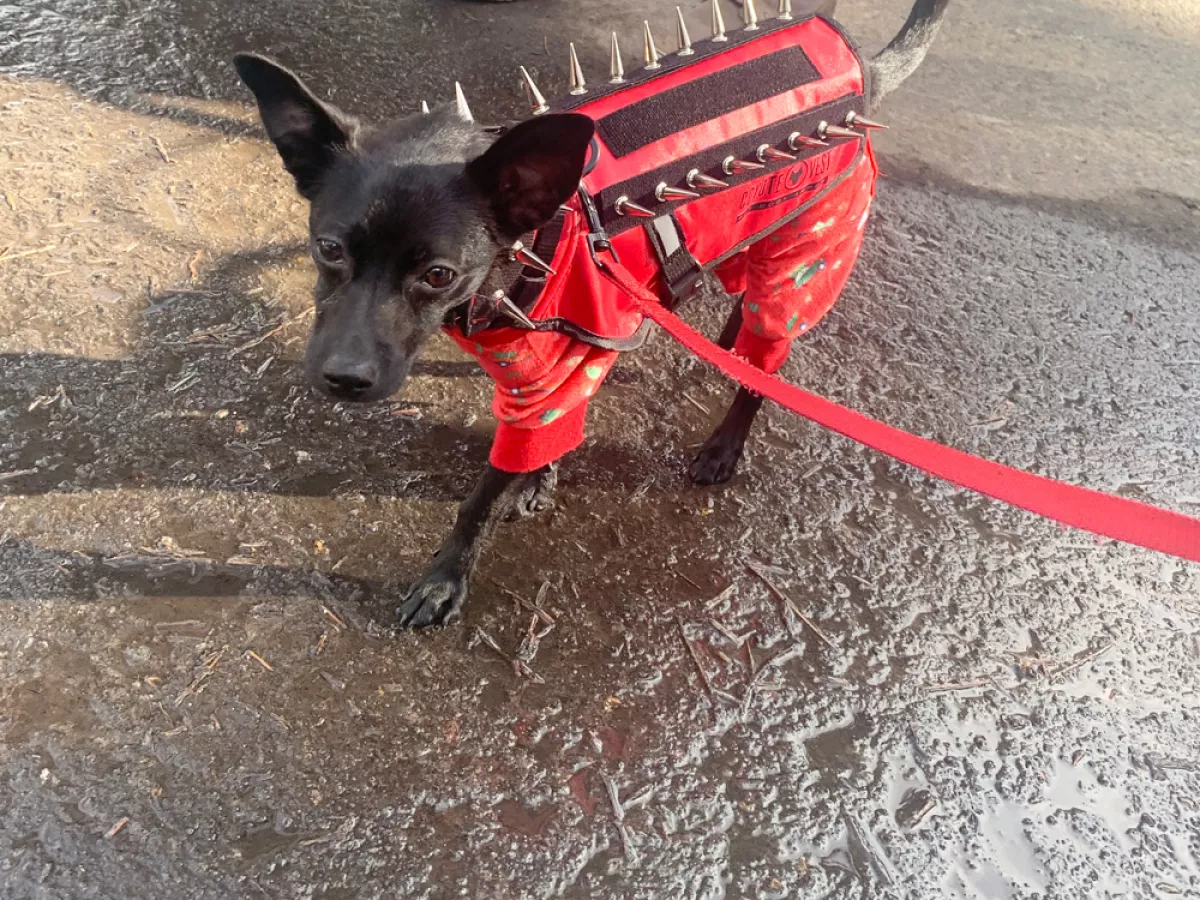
x=804, y=274
x=790, y=284
x=541, y=379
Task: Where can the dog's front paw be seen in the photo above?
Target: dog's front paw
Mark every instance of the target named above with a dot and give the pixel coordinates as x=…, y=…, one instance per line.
x=538, y=495
x=434, y=600
x=717, y=460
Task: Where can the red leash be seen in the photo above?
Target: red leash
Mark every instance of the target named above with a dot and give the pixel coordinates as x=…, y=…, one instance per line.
x=1099, y=513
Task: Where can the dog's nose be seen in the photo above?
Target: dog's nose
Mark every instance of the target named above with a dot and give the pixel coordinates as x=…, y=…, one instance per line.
x=349, y=377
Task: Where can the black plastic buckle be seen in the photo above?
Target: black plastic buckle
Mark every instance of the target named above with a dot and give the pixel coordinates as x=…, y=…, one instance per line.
x=683, y=287
x=474, y=316
x=681, y=274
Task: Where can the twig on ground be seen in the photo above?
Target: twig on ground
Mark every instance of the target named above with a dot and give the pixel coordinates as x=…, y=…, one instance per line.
x=761, y=571
x=531, y=642
x=696, y=403
x=117, y=828
x=949, y=686
x=23, y=253
x=1081, y=660
x=162, y=151
x=334, y=617
x=533, y=606
x=519, y=666
x=696, y=659
x=755, y=685
x=642, y=489
x=210, y=666
x=720, y=598
x=614, y=798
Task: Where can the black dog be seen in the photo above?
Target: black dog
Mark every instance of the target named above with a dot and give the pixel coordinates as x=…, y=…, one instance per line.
x=407, y=220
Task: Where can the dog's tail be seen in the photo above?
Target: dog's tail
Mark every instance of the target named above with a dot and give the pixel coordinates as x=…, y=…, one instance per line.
x=904, y=54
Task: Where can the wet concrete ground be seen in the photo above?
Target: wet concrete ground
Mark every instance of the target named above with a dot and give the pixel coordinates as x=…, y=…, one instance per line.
x=202, y=696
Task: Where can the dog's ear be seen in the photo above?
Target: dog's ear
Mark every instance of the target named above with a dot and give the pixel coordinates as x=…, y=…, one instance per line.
x=307, y=133
x=533, y=169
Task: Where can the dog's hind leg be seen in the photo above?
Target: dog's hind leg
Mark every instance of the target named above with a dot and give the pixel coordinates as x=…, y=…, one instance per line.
x=718, y=458
x=732, y=325
x=437, y=598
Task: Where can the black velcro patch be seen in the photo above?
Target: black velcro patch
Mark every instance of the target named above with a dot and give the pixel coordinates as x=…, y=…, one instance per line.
x=669, y=112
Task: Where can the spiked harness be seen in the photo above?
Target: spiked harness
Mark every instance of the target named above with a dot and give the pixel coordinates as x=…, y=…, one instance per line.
x=696, y=156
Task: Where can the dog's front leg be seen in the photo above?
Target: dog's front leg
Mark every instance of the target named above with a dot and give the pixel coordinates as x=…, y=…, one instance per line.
x=438, y=597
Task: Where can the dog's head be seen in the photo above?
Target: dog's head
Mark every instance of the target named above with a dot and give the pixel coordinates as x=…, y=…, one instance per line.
x=405, y=219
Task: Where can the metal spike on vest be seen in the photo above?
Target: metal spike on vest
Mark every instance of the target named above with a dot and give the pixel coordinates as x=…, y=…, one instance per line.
x=825, y=130
x=518, y=252
x=460, y=100
x=798, y=141
x=537, y=103
x=734, y=166
x=626, y=207
x=697, y=179
x=667, y=194
x=685, y=39
x=511, y=309
x=616, y=69
x=749, y=15
x=854, y=120
x=424, y=108
x=649, y=52
x=785, y=10
x=718, y=23
x=578, y=83
x=767, y=153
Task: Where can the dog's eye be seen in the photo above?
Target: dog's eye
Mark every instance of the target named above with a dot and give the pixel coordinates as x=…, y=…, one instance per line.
x=439, y=277
x=330, y=252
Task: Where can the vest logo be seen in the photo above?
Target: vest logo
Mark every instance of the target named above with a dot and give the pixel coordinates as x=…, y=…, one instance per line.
x=805, y=177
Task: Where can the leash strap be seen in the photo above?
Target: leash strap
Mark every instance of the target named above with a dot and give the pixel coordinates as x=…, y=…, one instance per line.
x=1103, y=514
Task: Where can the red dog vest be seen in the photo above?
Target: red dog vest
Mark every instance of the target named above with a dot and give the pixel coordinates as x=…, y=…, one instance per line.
x=717, y=113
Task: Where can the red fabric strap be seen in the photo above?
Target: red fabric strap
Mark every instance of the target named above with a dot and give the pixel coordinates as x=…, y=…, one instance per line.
x=1100, y=513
